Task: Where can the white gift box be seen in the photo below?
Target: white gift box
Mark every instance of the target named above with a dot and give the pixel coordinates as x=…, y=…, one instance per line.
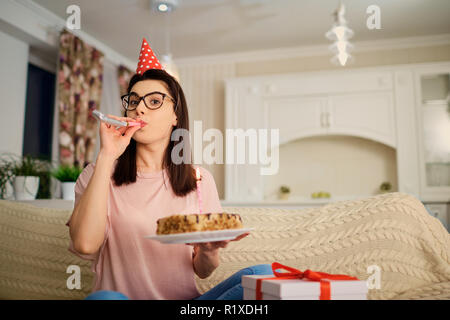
x=302, y=289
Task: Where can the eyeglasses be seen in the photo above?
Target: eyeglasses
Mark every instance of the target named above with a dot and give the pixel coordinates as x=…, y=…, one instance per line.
x=152, y=100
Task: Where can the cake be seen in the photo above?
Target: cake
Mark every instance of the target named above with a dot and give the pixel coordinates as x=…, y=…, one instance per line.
x=198, y=222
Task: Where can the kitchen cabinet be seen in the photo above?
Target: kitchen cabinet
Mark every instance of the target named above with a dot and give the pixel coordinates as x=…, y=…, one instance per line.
x=391, y=105
x=433, y=115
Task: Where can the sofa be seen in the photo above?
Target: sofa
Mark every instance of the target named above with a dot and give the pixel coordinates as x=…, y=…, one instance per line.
x=393, y=232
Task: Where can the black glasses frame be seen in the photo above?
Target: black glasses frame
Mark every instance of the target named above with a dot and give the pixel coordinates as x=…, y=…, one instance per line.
x=164, y=95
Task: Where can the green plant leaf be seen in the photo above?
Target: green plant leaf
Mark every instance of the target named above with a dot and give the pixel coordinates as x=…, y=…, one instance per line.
x=66, y=173
x=13, y=165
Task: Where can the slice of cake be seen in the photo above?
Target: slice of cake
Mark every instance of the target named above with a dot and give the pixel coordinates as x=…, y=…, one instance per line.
x=198, y=222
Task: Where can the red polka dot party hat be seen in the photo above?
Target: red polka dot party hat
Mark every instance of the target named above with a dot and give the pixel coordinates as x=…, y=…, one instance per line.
x=147, y=59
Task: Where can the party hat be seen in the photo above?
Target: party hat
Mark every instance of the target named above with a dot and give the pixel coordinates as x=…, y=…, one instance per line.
x=147, y=59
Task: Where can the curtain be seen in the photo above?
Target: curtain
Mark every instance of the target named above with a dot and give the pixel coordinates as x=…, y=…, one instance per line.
x=125, y=75
x=110, y=103
x=80, y=77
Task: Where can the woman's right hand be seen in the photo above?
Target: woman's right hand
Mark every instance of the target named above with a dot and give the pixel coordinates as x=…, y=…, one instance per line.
x=113, y=142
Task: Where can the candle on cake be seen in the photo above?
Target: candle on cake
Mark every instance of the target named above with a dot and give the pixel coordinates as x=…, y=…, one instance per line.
x=199, y=190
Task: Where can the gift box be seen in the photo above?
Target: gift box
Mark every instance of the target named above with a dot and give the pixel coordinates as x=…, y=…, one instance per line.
x=298, y=285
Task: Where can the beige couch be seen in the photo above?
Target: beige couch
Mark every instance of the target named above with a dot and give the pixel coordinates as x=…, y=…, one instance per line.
x=392, y=231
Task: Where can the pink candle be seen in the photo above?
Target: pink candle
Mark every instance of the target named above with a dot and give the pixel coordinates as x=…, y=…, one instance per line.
x=199, y=190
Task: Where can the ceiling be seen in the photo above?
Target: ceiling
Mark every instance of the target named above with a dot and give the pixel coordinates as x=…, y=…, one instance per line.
x=204, y=27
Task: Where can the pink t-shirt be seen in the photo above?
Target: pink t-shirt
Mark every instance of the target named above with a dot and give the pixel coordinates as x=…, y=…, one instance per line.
x=127, y=262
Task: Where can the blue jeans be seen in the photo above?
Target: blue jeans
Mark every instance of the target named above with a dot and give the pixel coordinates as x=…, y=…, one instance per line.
x=229, y=289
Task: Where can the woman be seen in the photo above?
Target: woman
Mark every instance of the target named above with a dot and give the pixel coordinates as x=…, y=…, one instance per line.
x=133, y=183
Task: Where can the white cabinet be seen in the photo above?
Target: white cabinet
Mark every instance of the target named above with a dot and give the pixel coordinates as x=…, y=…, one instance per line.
x=297, y=116
x=392, y=105
x=433, y=114
x=369, y=115
x=351, y=103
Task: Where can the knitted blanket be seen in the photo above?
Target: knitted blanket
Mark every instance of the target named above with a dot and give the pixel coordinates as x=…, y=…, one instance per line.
x=392, y=231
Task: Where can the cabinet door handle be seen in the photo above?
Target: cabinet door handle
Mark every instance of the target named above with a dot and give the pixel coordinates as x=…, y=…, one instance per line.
x=328, y=119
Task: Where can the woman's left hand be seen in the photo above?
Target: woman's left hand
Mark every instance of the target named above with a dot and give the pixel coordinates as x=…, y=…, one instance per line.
x=213, y=246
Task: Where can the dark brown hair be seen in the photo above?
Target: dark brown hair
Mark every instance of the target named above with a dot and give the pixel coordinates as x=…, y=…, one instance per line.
x=181, y=176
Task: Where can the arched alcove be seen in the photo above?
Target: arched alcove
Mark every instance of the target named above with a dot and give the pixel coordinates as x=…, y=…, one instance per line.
x=339, y=164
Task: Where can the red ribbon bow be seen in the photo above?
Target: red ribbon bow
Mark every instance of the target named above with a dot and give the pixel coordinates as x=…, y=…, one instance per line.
x=325, y=292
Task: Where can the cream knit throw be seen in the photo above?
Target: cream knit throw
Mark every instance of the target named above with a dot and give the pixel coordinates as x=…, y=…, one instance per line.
x=393, y=231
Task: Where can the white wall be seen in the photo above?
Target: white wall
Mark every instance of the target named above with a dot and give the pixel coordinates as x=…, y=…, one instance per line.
x=13, y=86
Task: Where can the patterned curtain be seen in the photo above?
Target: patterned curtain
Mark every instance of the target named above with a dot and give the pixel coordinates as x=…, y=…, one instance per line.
x=125, y=75
x=80, y=77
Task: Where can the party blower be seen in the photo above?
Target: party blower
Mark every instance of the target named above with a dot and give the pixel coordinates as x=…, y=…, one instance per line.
x=100, y=116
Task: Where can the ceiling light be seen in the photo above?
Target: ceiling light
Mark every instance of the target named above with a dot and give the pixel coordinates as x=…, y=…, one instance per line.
x=340, y=33
x=340, y=46
x=164, y=5
x=342, y=59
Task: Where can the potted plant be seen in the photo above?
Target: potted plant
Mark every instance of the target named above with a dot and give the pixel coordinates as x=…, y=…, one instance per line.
x=284, y=192
x=320, y=195
x=27, y=173
x=385, y=187
x=18, y=173
x=67, y=175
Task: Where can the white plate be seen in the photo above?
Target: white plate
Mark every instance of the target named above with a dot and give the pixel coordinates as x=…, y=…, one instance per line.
x=203, y=236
